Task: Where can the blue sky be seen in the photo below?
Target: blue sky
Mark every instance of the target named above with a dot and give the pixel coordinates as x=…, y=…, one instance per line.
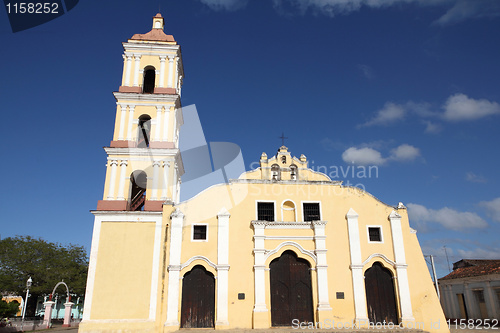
x=411, y=87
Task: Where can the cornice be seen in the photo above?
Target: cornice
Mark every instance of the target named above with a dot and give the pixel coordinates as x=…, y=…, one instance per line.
x=173, y=152
x=152, y=98
x=286, y=182
x=133, y=46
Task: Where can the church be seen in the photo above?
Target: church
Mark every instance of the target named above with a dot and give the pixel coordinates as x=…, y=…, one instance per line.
x=279, y=246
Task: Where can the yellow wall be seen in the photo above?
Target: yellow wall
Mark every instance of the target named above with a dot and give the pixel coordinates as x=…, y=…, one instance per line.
x=124, y=265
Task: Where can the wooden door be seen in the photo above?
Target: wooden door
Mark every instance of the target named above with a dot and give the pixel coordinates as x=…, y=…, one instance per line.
x=198, y=299
x=291, y=292
x=380, y=296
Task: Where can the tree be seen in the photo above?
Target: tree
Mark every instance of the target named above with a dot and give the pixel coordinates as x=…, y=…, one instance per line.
x=47, y=264
x=8, y=309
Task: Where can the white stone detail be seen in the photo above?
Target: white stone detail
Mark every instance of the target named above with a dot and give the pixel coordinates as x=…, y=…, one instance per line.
x=356, y=268
x=401, y=271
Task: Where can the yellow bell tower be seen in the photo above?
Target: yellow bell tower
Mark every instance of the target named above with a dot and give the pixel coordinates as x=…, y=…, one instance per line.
x=144, y=164
x=143, y=173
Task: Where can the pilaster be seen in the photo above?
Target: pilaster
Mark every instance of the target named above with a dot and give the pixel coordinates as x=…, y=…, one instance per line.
x=324, y=309
x=174, y=268
x=358, y=282
x=222, y=267
x=401, y=268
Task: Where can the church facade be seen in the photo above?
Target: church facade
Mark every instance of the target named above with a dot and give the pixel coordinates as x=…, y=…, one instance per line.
x=281, y=246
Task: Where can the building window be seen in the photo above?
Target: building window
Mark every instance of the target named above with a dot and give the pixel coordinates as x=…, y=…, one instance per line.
x=148, y=86
x=265, y=211
x=275, y=172
x=283, y=159
x=200, y=232
x=144, y=131
x=375, y=234
x=293, y=172
x=138, y=186
x=311, y=211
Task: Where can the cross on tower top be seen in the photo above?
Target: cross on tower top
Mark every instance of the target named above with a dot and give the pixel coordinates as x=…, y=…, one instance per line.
x=283, y=137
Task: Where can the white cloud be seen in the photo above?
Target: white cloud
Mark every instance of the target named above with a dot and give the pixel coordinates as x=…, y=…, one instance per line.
x=431, y=127
x=473, y=178
x=367, y=71
x=229, y=5
x=456, y=10
x=479, y=253
x=389, y=114
x=369, y=156
x=363, y=156
x=469, y=9
x=404, y=153
x=492, y=208
x=446, y=217
x=460, y=107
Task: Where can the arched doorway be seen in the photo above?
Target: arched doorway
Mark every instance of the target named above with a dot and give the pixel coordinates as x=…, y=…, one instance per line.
x=198, y=298
x=380, y=296
x=291, y=292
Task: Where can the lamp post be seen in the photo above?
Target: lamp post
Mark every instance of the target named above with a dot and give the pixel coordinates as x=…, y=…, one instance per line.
x=28, y=285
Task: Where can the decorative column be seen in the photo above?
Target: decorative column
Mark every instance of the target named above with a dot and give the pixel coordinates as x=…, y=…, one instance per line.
x=174, y=268
x=175, y=184
x=454, y=313
x=131, y=109
x=165, y=125
x=401, y=268
x=179, y=86
x=177, y=72
x=112, y=180
x=123, y=114
x=156, y=178
x=222, y=267
x=121, y=184
x=491, y=305
x=170, y=71
x=468, y=301
x=67, y=314
x=158, y=123
x=358, y=281
x=136, y=69
x=162, y=70
x=47, y=317
x=322, y=270
x=127, y=69
x=166, y=166
x=260, y=316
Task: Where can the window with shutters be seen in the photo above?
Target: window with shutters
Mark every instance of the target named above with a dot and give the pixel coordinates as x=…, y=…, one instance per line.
x=311, y=211
x=374, y=234
x=265, y=211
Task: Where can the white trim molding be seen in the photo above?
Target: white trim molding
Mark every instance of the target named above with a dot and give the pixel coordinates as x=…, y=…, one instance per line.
x=206, y=232
x=310, y=254
x=381, y=241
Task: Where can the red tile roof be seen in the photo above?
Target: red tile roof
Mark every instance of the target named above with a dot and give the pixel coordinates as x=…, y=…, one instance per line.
x=473, y=267
x=156, y=35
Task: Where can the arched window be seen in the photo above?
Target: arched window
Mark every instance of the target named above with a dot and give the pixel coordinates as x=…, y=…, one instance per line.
x=148, y=86
x=144, y=131
x=138, y=184
x=293, y=172
x=275, y=172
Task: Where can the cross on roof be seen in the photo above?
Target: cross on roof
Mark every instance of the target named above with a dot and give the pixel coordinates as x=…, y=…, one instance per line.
x=283, y=137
